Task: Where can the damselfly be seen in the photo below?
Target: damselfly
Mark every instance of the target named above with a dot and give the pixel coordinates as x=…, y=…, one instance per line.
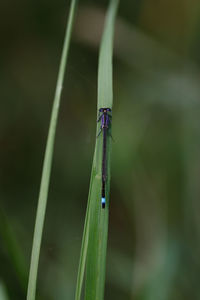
x=105, y=119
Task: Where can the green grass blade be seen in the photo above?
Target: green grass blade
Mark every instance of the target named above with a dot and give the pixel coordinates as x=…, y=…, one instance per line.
x=94, y=243
x=3, y=292
x=13, y=250
x=84, y=247
x=43, y=194
x=105, y=91
x=98, y=217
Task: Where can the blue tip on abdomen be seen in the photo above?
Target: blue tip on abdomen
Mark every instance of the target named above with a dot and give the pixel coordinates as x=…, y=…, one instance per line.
x=103, y=202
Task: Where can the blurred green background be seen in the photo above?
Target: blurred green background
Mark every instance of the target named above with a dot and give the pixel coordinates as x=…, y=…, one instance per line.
x=154, y=232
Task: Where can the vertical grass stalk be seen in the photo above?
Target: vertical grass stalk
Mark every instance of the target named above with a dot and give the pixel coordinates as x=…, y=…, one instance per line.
x=44, y=186
x=94, y=243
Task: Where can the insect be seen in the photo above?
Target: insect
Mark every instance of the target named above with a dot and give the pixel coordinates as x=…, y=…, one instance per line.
x=105, y=119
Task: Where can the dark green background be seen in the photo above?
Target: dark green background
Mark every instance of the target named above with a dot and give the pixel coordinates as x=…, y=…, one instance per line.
x=154, y=231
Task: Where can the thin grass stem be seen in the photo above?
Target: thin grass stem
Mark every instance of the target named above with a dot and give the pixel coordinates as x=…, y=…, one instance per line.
x=44, y=186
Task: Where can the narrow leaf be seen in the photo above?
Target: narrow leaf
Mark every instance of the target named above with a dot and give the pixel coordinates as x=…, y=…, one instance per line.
x=44, y=187
x=94, y=243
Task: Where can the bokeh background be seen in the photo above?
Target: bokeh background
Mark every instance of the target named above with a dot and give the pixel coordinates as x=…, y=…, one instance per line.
x=154, y=228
